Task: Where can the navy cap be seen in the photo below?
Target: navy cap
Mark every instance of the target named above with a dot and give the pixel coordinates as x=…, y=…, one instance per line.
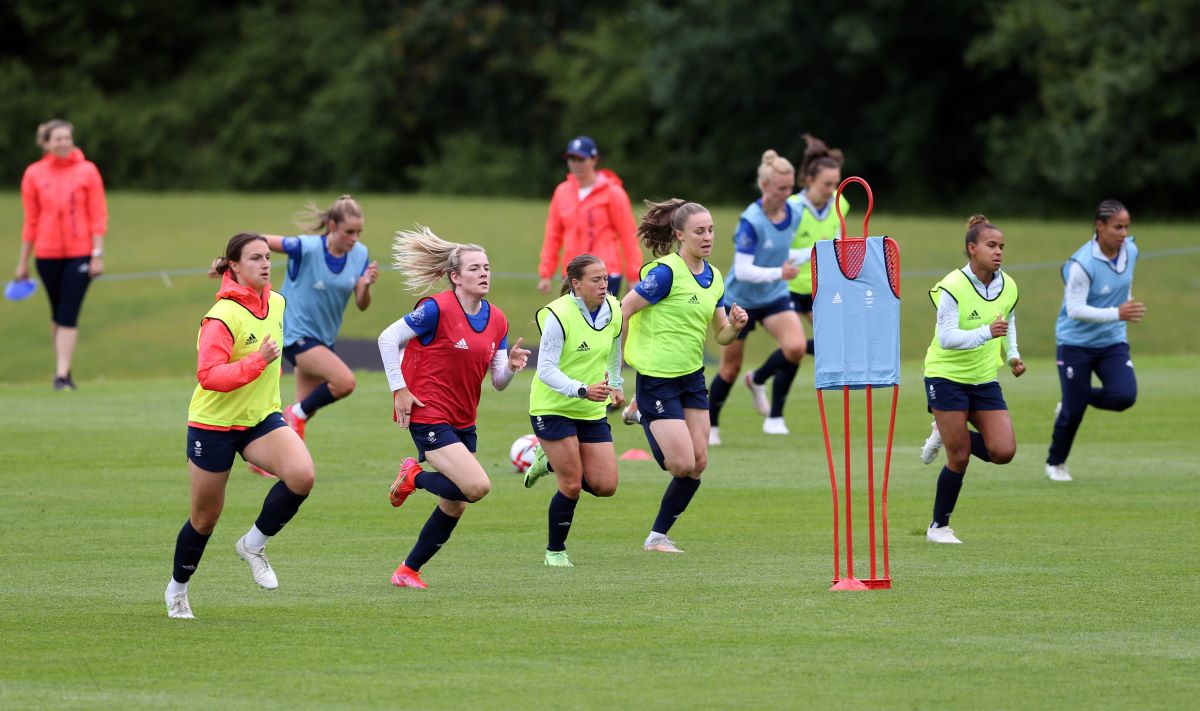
x=582, y=146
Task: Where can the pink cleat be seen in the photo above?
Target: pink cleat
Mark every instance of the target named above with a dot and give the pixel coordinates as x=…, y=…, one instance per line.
x=294, y=422
x=406, y=577
x=406, y=481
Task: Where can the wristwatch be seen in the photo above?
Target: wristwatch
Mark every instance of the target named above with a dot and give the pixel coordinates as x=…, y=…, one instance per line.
x=582, y=391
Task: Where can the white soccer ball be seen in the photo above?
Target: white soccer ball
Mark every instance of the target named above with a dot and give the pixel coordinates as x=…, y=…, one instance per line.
x=521, y=452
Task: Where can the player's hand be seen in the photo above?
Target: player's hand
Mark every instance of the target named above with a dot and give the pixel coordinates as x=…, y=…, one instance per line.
x=518, y=357
x=544, y=285
x=96, y=267
x=371, y=275
x=738, y=317
x=1018, y=367
x=789, y=270
x=402, y=404
x=1131, y=311
x=599, y=392
x=999, y=327
x=269, y=349
x=617, y=396
x=22, y=272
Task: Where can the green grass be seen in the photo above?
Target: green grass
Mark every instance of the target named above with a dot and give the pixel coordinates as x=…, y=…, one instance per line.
x=1079, y=595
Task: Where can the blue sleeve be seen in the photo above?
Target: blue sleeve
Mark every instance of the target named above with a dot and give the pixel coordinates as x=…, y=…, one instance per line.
x=745, y=240
x=291, y=246
x=503, y=343
x=424, y=320
x=366, y=259
x=656, y=285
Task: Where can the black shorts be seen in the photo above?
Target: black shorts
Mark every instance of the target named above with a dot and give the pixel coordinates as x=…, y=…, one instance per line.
x=214, y=450
x=301, y=345
x=66, y=281
x=761, y=313
x=944, y=394
x=666, y=398
x=555, y=427
x=802, y=303
x=429, y=437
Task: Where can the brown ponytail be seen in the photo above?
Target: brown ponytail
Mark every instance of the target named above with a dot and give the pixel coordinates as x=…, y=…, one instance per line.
x=662, y=220
x=233, y=250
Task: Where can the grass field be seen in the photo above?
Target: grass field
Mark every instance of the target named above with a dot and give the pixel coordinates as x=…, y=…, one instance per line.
x=1079, y=595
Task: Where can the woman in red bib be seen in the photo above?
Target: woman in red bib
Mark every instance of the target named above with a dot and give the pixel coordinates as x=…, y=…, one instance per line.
x=436, y=358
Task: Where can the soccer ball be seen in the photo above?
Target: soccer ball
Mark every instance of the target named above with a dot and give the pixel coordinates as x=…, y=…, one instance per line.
x=521, y=452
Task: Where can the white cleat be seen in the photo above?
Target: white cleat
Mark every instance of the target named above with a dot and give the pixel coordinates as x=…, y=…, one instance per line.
x=941, y=534
x=659, y=543
x=1058, y=472
x=759, y=393
x=260, y=567
x=631, y=415
x=714, y=437
x=932, y=446
x=775, y=426
x=178, y=607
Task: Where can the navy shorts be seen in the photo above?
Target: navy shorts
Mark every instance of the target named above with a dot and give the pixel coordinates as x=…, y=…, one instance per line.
x=760, y=313
x=555, y=427
x=666, y=398
x=802, y=303
x=66, y=281
x=428, y=437
x=214, y=450
x=948, y=395
x=301, y=345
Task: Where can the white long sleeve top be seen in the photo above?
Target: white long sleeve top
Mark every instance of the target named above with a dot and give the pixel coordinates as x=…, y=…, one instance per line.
x=550, y=353
x=951, y=337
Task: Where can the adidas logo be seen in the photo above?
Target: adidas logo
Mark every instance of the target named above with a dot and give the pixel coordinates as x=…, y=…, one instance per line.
x=837, y=297
x=462, y=343
x=694, y=300
x=583, y=348
x=252, y=340
x=1105, y=289
x=974, y=316
x=319, y=286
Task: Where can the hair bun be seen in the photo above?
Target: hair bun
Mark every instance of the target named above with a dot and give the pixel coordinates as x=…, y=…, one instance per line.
x=769, y=156
x=976, y=220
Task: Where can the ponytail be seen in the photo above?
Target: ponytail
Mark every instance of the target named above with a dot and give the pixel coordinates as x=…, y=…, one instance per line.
x=662, y=220
x=424, y=258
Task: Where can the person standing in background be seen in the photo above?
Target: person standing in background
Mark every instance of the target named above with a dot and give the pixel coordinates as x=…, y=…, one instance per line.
x=66, y=218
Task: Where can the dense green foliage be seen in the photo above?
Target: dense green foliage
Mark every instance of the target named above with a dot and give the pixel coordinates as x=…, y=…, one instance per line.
x=1004, y=102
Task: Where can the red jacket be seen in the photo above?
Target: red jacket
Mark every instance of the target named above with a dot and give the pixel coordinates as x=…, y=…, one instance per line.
x=213, y=369
x=602, y=224
x=64, y=206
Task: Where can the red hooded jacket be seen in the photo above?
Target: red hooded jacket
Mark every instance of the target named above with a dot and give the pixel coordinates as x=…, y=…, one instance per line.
x=64, y=206
x=601, y=224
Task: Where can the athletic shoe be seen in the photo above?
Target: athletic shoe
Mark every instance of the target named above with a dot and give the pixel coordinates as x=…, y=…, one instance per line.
x=1058, y=472
x=932, y=446
x=406, y=481
x=406, y=577
x=539, y=468
x=294, y=422
x=714, y=436
x=775, y=426
x=759, y=393
x=254, y=469
x=178, y=606
x=941, y=534
x=259, y=566
x=64, y=383
x=631, y=415
x=660, y=543
x=558, y=559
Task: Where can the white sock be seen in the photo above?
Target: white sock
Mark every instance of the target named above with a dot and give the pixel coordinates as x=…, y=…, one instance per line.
x=654, y=537
x=298, y=412
x=255, y=539
x=174, y=587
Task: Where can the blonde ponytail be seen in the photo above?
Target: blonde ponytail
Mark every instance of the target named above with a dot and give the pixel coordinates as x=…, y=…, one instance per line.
x=424, y=258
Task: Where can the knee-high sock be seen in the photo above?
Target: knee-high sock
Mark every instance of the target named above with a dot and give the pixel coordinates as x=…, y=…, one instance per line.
x=717, y=392
x=440, y=484
x=433, y=536
x=561, y=513
x=279, y=506
x=978, y=447
x=780, y=387
x=949, y=484
x=675, y=501
x=773, y=363
x=318, y=398
x=189, y=547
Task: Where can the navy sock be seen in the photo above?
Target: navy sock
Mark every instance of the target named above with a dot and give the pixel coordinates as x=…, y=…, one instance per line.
x=440, y=484
x=434, y=534
x=676, y=499
x=562, y=511
x=717, y=392
x=978, y=448
x=189, y=547
x=948, y=485
x=774, y=362
x=812, y=347
x=780, y=387
x=279, y=506
x=586, y=487
x=318, y=398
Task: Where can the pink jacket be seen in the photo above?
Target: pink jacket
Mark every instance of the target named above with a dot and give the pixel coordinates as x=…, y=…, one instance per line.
x=601, y=224
x=64, y=206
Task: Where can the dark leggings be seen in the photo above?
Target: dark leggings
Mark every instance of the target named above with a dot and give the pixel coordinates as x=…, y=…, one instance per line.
x=66, y=281
x=1117, y=391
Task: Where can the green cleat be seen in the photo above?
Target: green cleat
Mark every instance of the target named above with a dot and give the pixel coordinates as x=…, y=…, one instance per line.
x=539, y=468
x=558, y=559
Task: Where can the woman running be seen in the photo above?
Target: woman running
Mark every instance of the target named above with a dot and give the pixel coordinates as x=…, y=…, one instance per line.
x=579, y=371
x=976, y=334
x=436, y=358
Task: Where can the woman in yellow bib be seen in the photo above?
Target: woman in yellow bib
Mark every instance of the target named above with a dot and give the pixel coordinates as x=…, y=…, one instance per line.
x=976, y=334
x=668, y=314
x=579, y=370
x=235, y=410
